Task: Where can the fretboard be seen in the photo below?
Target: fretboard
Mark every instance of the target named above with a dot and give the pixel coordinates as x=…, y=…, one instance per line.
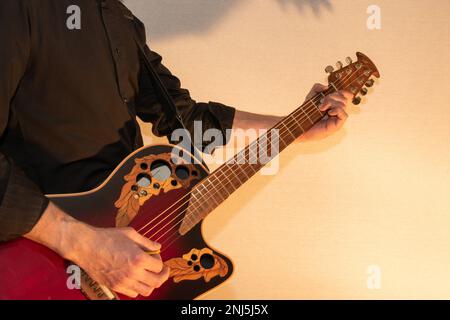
x=219, y=185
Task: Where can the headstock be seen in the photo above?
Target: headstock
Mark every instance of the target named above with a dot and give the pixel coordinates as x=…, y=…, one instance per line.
x=355, y=77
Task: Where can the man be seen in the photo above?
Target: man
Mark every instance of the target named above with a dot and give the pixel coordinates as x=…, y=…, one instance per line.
x=70, y=92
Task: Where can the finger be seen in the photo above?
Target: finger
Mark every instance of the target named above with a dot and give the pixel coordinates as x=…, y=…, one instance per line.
x=163, y=276
x=338, y=118
x=329, y=104
x=317, y=88
x=155, y=280
x=142, y=288
x=144, y=242
x=337, y=96
x=152, y=263
x=127, y=292
x=339, y=113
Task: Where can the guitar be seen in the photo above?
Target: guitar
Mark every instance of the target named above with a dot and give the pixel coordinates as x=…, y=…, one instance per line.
x=164, y=193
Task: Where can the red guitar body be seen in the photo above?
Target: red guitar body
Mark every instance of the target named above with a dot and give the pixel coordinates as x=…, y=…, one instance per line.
x=31, y=271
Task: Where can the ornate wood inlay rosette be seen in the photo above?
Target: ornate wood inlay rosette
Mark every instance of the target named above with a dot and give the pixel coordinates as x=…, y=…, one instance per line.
x=149, y=177
x=197, y=264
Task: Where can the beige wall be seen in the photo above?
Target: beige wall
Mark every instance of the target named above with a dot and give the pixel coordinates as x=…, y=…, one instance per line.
x=377, y=193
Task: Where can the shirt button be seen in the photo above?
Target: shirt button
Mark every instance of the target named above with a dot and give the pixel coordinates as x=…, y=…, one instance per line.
x=125, y=100
x=118, y=52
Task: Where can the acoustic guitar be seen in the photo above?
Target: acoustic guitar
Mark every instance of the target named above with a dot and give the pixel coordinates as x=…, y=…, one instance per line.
x=164, y=193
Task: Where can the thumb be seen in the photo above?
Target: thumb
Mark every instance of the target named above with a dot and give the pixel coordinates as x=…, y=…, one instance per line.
x=317, y=88
x=145, y=242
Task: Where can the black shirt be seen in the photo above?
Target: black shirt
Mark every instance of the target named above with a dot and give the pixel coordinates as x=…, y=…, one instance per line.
x=69, y=99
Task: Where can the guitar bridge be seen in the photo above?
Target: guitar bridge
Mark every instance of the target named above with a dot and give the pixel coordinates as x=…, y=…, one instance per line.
x=94, y=291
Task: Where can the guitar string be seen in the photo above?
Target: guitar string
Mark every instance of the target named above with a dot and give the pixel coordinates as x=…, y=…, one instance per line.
x=223, y=173
x=250, y=150
x=256, y=143
x=210, y=194
x=170, y=236
x=164, y=244
x=208, y=208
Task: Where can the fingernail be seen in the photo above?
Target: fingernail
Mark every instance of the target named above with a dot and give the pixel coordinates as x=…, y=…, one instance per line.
x=157, y=244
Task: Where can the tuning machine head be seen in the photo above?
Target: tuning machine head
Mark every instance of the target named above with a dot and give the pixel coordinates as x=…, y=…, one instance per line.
x=356, y=101
x=339, y=65
x=364, y=91
x=370, y=83
x=349, y=60
x=329, y=69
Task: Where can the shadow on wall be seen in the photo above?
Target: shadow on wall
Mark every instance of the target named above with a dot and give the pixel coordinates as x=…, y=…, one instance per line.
x=169, y=18
x=315, y=5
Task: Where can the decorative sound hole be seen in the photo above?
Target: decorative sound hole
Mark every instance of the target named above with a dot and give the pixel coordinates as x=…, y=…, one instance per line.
x=161, y=170
x=144, y=166
x=182, y=172
x=143, y=180
x=207, y=261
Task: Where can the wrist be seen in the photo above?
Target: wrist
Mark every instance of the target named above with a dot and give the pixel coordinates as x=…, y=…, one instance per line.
x=60, y=232
x=71, y=231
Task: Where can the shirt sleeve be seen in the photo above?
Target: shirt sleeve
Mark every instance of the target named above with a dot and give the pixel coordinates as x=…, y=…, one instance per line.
x=21, y=200
x=212, y=115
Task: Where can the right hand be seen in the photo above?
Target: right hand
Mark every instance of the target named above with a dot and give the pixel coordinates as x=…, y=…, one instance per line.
x=113, y=257
x=117, y=258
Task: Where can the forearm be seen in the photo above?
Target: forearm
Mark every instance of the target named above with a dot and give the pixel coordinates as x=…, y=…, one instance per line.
x=247, y=120
x=58, y=231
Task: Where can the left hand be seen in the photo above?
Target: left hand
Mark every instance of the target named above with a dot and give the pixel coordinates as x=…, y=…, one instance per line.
x=334, y=105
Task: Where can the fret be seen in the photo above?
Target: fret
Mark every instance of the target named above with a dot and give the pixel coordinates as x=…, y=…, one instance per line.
x=201, y=201
x=284, y=143
x=270, y=144
x=299, y=125
x=316, y=114
x=336, y=89
x=290, y=132
x=237, y=177
x=219, y=185
x=226, y=176
x=212, y=176
x=303, y=110
x=317, y=107
x=253, y=151
x=214, y=191
x=243, y=171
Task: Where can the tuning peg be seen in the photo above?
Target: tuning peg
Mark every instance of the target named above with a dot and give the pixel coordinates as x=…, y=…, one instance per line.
x=348, y=60
x=356, y=101
x=364, y=91
x=370, y=83
x=329, y=69
x=339, y=65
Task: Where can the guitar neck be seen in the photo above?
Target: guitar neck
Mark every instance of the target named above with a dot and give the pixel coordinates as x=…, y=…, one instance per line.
x=219, y=185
